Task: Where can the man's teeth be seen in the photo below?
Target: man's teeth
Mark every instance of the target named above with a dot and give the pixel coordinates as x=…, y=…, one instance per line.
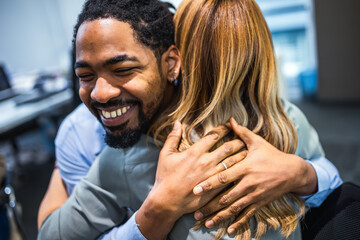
x=116, y=113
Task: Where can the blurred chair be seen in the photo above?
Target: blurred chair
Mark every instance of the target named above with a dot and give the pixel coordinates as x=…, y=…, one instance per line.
x=4, y=221
x=10, y=211
x=337, y=218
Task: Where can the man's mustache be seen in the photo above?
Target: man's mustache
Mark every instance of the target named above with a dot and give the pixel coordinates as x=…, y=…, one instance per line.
x=114, y=103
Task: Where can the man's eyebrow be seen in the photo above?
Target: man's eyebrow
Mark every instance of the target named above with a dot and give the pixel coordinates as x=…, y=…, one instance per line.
x=120, y=58
x=81, y=64
x=111, y=61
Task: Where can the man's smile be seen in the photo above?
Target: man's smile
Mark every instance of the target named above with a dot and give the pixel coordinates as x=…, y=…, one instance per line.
x=116, y=113
x=115, y=116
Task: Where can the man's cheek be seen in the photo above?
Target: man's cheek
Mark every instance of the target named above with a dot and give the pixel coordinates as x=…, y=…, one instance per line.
x=83, y=94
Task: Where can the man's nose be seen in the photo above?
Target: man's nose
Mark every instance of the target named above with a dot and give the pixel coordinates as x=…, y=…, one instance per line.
x=104, y=91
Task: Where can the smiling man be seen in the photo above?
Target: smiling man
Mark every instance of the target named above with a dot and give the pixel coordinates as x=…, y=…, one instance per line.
x=120, y=79
x=127, y=65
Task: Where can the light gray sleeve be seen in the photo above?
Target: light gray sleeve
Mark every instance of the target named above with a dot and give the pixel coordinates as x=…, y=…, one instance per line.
x=308, y=146
x=90, y=210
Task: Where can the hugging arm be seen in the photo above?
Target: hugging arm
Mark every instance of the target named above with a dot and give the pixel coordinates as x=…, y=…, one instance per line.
x=266, y=174
x=55, y=196
x=264, y=168
x=94, y=207
x=84, y=215
x=171, y=196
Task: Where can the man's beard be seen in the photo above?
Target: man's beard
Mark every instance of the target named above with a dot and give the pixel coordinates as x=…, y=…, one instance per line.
x=119, y=136
x=128, y=137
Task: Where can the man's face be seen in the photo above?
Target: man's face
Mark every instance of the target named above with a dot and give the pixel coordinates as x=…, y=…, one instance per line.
x=120, y=81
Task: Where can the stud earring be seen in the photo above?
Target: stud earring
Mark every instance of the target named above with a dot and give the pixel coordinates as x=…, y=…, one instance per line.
x=176, y=81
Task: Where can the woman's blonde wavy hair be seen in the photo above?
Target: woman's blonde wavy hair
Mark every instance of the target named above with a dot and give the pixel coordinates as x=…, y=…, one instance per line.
x=228, y=70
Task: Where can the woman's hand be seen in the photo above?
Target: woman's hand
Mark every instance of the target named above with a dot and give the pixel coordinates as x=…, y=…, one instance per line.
x=262, y=177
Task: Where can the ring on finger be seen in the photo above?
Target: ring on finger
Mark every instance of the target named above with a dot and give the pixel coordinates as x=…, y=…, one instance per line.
x=224, y=165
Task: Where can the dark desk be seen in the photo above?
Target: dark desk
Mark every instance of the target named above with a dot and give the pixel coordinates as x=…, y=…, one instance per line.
x=13, y=116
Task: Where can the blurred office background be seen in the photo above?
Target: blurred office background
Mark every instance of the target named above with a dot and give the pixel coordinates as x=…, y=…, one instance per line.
x=318, y=54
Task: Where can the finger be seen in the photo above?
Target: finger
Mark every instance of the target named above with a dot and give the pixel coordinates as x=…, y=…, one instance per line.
x=211, y=138
x=220, y=179
x=210, y=207
x=238, y=195
x=243, y=218
x=172, y=141
x=230, y=212
x=227, y=149
x=244, y=133
x=231, y=161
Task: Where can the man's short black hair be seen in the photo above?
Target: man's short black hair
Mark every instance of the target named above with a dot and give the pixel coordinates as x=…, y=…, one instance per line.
x=151, y=20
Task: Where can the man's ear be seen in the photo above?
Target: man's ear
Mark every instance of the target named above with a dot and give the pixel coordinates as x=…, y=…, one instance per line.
x=171, y=63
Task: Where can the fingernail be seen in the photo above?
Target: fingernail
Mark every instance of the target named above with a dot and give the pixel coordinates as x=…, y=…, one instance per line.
x=176, y=125
x=231, y=230
x=197, y=190
x=234, y=121
x=198, y=215
x=209, y=224
x=215, y=136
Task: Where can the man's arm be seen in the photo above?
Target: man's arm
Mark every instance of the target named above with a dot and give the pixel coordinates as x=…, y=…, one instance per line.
x=52, y=201
x=76, y=148
x=55, y=196
x=264, y=168
x=171, y=197
x=80, y=216
x=328, y=179
x=266, y=174
x=93, y=208
x=128, y=231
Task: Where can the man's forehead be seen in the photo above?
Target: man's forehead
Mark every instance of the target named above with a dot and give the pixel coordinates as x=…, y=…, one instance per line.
x=109, y=37
x=104, y=28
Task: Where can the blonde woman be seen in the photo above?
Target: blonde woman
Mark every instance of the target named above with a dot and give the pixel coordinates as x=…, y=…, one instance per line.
x=228, y=71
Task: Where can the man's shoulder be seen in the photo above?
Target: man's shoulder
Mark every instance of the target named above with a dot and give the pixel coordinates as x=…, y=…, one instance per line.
x=79, y=140
x=80, y=119
x=81, y=123
x=81, y=114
